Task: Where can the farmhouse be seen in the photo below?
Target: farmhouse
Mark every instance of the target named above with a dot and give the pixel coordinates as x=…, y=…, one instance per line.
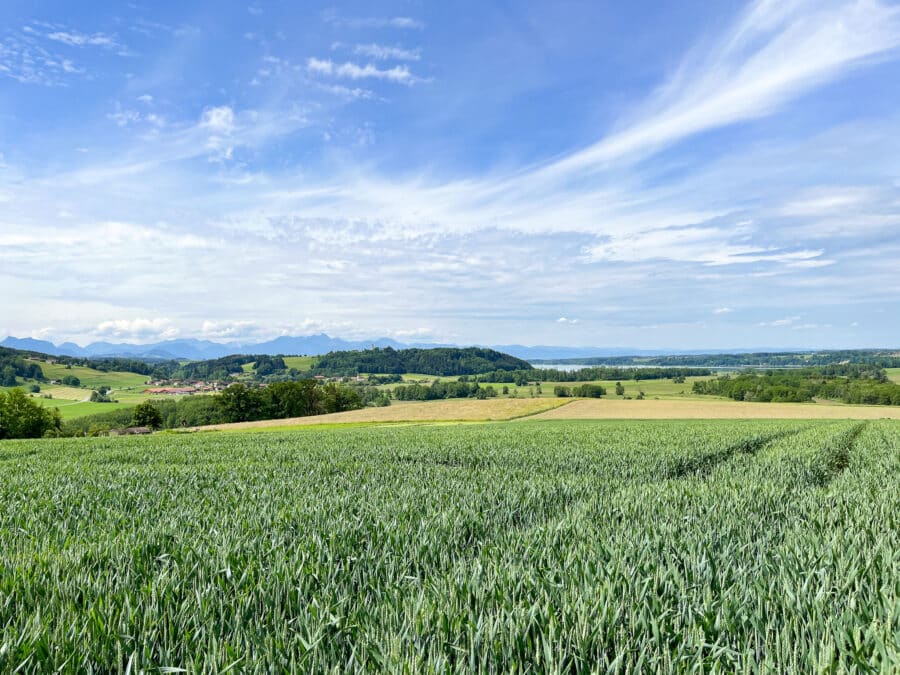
x=131, y=431
x=179, y=391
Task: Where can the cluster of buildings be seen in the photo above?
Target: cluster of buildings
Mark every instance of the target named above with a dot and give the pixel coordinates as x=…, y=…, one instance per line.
x=184, y=388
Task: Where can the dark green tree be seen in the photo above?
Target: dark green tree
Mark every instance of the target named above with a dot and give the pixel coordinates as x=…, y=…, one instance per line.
x=241, y=404
x=20, y=417
x=146, y=415
x=8, y=377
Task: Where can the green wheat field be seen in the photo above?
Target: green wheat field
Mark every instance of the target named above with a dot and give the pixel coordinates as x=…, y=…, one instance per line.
x=720, y=546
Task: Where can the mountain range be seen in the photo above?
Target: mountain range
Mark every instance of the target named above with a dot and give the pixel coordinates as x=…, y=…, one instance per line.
x=312, y=345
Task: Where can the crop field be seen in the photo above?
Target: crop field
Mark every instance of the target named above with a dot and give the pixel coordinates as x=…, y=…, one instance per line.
x=91, y=378
x=449, y=410
x=739, y=546
x=546, y=408
x=662, y=388
x=706, y=407
x=893, y=374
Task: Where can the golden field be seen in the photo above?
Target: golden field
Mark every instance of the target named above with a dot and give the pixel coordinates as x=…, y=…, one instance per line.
x=449, y=410
x=591, y=409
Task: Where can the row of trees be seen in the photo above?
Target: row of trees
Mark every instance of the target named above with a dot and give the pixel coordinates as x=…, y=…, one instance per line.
x=237, y=403
x=13, y=365
x=856, y=384
x=523, y=377
x=875, y=357
x=584, y=391
x=440, y=390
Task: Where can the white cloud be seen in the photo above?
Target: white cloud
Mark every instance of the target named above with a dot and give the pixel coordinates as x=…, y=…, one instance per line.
x=219, y=119
x=710, y=245
x=353, y=71
x=827, y=200
x=401, y=22
x=385, y=53
x=26, y=61
x=567, y=320
x=138, y=329
x=229, y=329
x=410, y=334
x=723, y=310
x=348, y=92
x=76, y=39
x=778, y=323
x=123, y=118
x=126, y=238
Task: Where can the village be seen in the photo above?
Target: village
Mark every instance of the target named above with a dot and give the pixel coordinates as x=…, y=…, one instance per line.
x=187, y=388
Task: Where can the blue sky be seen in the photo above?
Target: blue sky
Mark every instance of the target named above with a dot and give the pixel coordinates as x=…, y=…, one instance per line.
x=646, y=174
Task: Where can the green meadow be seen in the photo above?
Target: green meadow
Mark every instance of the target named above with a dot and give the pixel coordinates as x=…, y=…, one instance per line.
x=91, y=378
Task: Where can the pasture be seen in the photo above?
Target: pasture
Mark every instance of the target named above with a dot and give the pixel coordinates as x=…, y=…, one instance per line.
x=301, y=363
x=737, y=546
x=91, y=378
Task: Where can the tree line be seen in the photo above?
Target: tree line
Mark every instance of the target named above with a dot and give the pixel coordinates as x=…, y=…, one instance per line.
x=874, y=357
x=441, y=361
x=237, y=403
x=523, y=377
x=441, y=390
x=13, y=365
x=855, y=383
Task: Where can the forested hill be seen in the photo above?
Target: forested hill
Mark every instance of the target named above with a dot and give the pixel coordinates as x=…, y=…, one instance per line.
x=438, y=361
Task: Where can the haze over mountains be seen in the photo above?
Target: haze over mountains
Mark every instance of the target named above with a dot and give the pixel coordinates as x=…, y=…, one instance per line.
x=194, y=349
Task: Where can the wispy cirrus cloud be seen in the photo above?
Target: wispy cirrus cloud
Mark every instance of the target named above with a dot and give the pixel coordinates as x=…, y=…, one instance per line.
x=76, y=39
x=774, y=53
x=400, y=22
x=386, y=52
x=37, y=54
x=706, y=245
x=777, y=51
x=299, y=224
x=354, y=71
x=26, y=61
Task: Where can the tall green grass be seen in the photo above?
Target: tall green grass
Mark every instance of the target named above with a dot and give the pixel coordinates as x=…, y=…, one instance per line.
x=541, y=547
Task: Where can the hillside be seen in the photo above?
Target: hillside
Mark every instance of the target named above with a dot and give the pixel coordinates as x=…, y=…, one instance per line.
x=439, y=361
